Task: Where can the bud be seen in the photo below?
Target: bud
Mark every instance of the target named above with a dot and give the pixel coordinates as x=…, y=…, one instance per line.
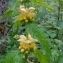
x=26, y=20
x=26, y=52
x=22, y=50
x=16, y=36
x=19, y=47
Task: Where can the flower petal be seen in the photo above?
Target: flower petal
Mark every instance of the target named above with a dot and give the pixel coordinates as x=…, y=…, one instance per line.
x=31, y=9
x=23, y=37
x=31, y=39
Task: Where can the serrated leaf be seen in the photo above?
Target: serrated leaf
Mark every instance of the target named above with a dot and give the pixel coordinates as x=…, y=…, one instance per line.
x=42, y=58
x=6, y=14
x=60, y=60
x=17, y=24
x=42, y=3
x=13, y=57
x=39, y=33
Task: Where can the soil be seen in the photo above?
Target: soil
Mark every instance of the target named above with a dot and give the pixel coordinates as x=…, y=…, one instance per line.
x=3, y=25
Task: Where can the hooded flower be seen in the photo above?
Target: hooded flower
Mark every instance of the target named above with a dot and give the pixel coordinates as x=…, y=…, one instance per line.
x=26, y=13
x=27, y=43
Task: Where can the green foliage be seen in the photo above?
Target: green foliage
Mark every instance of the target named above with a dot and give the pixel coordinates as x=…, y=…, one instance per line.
x=1, y=58
x=13, y=56
x=41, y=57
x=49, y=31
x=42, y=3
x=38, y=32
x=60, y=60
x=17, y=24
x=6, y=14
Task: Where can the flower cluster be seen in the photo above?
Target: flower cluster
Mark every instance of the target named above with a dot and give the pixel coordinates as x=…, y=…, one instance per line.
x=27, y=44
x=26, y=14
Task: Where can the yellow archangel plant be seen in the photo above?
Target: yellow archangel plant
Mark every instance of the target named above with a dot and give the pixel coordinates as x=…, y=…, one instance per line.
x=27, y=44
x=26, y=14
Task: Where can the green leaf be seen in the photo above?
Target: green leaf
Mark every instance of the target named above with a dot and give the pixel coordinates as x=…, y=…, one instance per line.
x=42, y=58
x=52, y=33
x=17, y=24
x=6, y=14
x=61, y=2
x=55, y=0
x=13, y=56
x=2, y=57
x=39, y=33
x=60, y=60
x=42, y=3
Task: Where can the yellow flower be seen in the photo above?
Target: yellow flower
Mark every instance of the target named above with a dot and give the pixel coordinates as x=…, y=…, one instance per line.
x=31, y=15
x=26, y=13
x=22, y=17
x=22, y=8
x=31, y=9
x=22, y=38
x=33, y=46
x=32, y=39
x=27, y=43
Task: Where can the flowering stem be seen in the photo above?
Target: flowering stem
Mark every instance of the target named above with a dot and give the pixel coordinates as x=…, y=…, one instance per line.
x=25, y=59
